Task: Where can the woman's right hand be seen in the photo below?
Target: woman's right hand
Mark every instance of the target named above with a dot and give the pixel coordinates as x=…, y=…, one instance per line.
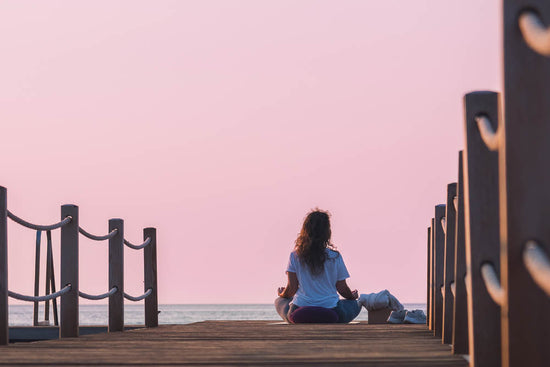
x=355, y=294
x=280, y=291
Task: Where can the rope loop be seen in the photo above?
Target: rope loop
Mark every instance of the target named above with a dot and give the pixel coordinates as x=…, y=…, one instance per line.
x=138, y=298
x=138, y=247
x=534, y=32
x=537, y=263
x=492, y=283
x=488, y=134
x=453, y=288
x=38, y=227
x=48, y=297
x=98, y=238
x=100, y=296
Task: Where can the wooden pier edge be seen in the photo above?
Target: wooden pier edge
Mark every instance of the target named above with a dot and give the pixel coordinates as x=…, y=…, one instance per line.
x=245, y=343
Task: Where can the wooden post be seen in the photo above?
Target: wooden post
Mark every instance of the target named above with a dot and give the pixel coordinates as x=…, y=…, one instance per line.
x=460, y=314
x=150, y=272
x=36, y=277
x=449, y=273
x=69, y=273
x=49, y=271
x=4, y=328
x=439, y=261
x=52, y=277
x=482, y=229
x=524, y=185
x=116, y=275
x=428, y=274
x=432, y=277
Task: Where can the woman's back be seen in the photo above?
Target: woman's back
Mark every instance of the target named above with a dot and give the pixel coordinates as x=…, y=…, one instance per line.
x=318, y=289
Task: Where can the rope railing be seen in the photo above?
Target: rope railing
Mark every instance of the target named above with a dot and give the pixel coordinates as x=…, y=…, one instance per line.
x=98, y=238
x=99, y=296
x=535, y=33
x=488, y=134
x=492, y=283
x=138, y=247
x=48, y=297
x=138, y=298
x=69, y=258
x=537, y=263
x=38, y=227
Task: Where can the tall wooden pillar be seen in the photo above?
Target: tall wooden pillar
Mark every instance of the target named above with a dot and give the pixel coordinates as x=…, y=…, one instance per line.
x=69, y=273
x=4, y=328
x=460, y=312
x=525, y=181
x=449, y=273
x=482, y=229
x=428, y=274
x=431, y=322
x=116, y=275
x=439, y=264
x=150, y=281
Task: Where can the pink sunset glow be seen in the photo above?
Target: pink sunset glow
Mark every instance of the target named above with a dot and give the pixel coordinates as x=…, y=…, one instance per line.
x=222, y=123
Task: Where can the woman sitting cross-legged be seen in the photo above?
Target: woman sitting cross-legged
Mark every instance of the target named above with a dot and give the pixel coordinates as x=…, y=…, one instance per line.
x=316, y=275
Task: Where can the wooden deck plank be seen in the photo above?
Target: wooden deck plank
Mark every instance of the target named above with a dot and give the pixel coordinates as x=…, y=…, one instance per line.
x=261, y=343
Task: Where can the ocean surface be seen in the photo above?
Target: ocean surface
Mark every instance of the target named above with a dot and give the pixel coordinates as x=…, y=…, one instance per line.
x=21, y=315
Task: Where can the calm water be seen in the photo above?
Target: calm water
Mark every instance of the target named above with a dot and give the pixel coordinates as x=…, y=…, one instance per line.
x=171, y=314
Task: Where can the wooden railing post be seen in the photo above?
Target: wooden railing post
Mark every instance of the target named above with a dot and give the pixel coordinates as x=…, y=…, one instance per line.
x=525, y=186
x=449, y=274
x=150, y=273
x=482, y=229
x=460, y=313
x=428, y=275
x=116, y=275
x=69, y=273
x=431, y=322
x=439, y=259
x=4, y=328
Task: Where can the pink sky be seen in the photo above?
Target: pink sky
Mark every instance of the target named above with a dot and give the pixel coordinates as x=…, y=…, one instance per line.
x=222, y=123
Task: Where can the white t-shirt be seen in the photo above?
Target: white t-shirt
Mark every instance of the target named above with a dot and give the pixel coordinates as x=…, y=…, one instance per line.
x=318, y=290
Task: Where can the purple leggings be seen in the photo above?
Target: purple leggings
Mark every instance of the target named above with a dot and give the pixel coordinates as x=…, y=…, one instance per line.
x=346, y=309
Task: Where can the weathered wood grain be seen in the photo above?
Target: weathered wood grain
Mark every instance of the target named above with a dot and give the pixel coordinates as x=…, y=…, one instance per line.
x=264, y=343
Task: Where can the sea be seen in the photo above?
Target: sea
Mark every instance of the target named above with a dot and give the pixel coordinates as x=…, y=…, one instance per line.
x=22, y=315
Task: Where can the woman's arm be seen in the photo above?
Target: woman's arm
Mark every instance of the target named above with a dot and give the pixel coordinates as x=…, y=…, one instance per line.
x=292, y=286
x=343, y=289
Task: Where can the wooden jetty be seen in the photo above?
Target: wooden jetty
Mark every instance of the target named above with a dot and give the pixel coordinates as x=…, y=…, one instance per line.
x=242, y=343
x=488, y=247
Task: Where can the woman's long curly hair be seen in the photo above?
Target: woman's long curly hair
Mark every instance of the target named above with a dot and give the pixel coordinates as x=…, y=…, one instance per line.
x=314, y=239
